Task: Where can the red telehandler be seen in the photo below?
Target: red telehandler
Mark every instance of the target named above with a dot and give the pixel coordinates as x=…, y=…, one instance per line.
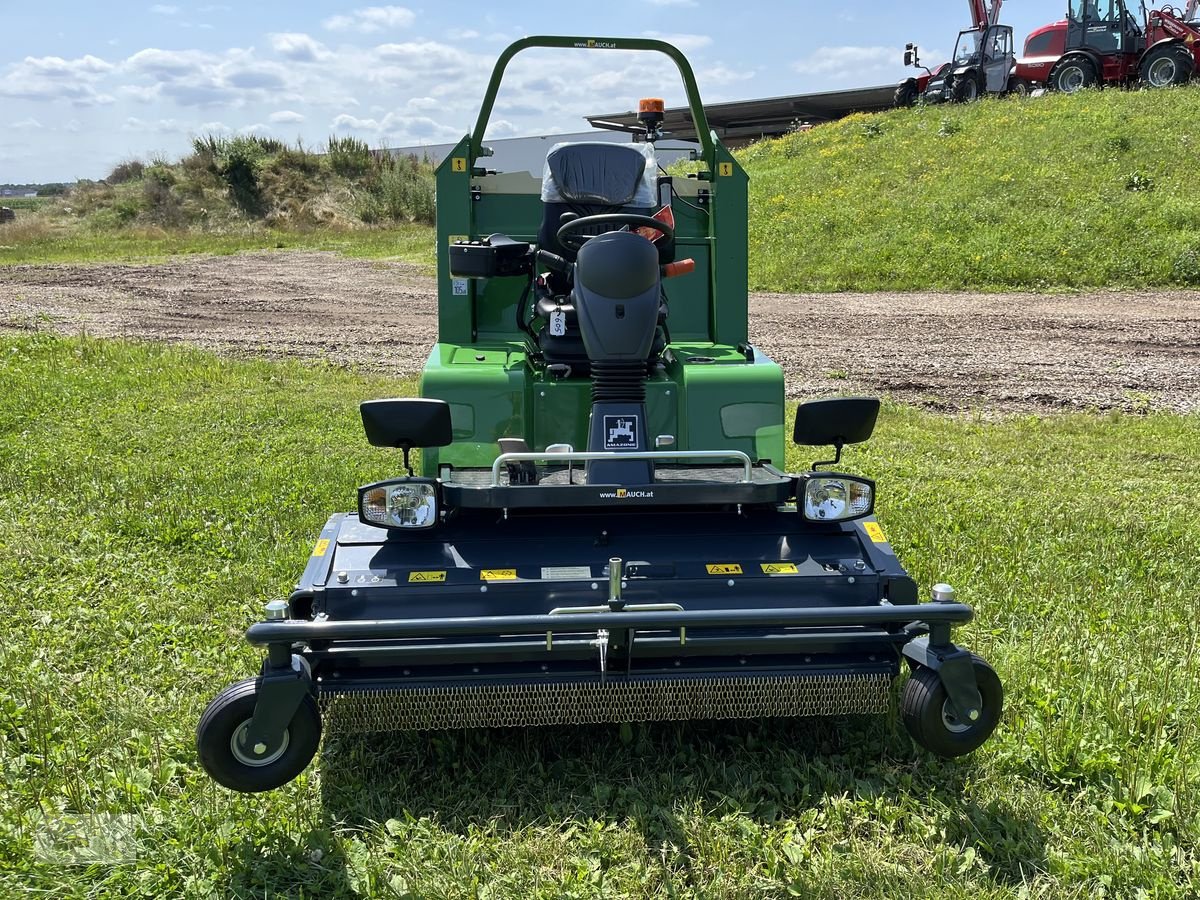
x=1101, y=42
x=982, y=63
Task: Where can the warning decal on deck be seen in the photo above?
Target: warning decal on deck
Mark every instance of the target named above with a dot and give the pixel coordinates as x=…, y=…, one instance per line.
x=414, y=577
x=321, y=546
x=724, y=569
x=779, y=568
x=497, y=574
x=458, y=164
x=874, y=532
x=725, y=169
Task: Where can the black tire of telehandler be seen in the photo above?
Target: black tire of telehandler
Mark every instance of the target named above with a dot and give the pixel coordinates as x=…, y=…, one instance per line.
x=232, y=709
x=1063, y=71
x=1167, y=65
x=964, y=90
x=1018, y=87
x=906, y=94
x=929, y=718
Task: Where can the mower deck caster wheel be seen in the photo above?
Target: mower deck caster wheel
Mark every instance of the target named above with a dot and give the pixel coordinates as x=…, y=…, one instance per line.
x=224, y=751
x=931, y=719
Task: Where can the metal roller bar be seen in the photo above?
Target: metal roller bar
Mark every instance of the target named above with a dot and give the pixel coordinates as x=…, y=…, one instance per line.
x=293, y=630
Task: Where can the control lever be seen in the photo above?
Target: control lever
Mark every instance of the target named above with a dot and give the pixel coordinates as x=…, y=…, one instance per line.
x=554, y=262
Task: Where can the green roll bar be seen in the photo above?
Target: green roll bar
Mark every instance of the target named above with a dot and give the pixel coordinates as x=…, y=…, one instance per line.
x=566, y=42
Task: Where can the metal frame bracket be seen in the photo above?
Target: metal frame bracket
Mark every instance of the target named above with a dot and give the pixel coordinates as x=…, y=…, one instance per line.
x=956, y=671
x=280, y=692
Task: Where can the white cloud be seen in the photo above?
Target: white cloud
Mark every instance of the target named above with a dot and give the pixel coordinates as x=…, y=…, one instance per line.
x=285, y=117
x=163, y=9
x=688, y=43
x=196, y=78
x=164, y=126
x=397, y=129
x=371, y=18
x=299, y=47
x=29, y=124
x=500, y=128
x=73, y=126
x=49, y=78
x=843, y=62
x=214, y=128
x=256, y=128
x=346, y=122
x=671, y=2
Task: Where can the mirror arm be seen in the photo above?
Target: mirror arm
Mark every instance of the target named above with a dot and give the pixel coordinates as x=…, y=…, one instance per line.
x=818, y=466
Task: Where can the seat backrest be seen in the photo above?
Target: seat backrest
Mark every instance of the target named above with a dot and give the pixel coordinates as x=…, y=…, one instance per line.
x=592, y=177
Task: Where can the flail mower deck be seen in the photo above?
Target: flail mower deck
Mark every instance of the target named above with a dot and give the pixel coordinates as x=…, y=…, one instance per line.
x=602, y=530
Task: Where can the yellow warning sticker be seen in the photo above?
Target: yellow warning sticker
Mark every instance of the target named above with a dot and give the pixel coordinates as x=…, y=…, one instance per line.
x=874, y=532
x=724, y=569
x=779, y=568
x=321, y=546
x=724, y=169
x=497, y=574
x=415, y=577
x=458, y=164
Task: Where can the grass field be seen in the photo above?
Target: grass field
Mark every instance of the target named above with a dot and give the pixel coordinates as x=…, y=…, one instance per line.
x=40, y=242
x=151, y=499
x=1055, y=192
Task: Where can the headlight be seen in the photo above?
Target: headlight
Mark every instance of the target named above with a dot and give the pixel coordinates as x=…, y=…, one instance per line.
x=399, y=504
x=836, y=498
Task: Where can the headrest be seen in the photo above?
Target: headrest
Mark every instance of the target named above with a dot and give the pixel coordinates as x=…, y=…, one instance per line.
x=597, y=173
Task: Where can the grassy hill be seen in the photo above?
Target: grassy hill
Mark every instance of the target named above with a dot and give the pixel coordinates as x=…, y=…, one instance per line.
x=236, y=194
x=1091, y=190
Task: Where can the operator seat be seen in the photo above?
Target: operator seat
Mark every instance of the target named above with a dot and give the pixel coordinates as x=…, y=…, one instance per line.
x=586, y=179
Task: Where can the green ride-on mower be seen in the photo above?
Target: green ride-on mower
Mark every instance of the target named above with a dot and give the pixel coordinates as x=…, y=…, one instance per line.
x=603, y=529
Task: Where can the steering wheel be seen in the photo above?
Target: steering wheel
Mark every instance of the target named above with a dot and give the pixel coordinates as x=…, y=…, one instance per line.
x=567, y=235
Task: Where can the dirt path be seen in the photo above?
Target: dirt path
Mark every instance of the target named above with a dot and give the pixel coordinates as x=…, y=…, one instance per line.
x=1006, y=352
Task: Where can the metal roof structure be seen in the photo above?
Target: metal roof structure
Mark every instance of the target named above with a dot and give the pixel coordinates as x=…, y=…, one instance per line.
x=742, y=121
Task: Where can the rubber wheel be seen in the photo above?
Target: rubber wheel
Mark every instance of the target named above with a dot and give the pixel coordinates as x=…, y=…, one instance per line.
x=964, y=90
x=1166, y=66
x=930, y=718
x=225, y=721
x=1074, y=73
x=1018, y=87
x=906, y=94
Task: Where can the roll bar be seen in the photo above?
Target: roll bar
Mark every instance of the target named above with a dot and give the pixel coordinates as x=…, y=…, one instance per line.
x=584, y=43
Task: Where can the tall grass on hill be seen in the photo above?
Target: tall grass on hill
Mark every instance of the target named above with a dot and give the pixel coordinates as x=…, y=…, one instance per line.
x=1096, y=189
x=251, y=180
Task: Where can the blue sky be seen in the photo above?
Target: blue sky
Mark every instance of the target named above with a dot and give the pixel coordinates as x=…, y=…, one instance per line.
x=86, y=85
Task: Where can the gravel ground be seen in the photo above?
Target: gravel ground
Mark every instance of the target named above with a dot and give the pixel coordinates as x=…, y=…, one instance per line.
x=985, y=352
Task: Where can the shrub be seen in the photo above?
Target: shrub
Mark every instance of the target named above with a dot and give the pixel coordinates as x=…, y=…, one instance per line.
x=350, y=157
x=1186, y=268
x=130, y=170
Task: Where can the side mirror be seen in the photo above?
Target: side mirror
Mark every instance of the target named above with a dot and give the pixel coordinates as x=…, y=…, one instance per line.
x=910, y=55
x=407, y=423
x=837, y=421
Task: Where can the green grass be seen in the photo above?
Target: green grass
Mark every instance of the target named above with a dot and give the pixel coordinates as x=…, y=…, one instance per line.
x=152, y=498
x=45, y=244
x=1094, y=190
x=25, y=203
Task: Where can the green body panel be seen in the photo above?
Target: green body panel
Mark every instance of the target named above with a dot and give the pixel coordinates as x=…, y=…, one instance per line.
x=729, y=403
x=481, y=365
x=488, y=399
